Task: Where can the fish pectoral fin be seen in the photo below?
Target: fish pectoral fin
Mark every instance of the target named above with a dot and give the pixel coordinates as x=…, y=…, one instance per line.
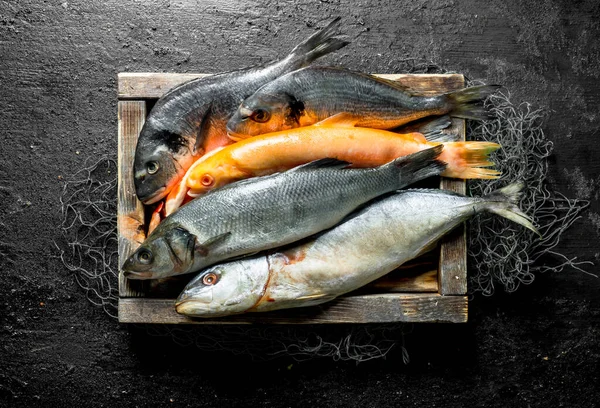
x=316, y=299
x=202, y=134
x=322, y=163
x=316, y=296
x=211, y=243
x=342, y=119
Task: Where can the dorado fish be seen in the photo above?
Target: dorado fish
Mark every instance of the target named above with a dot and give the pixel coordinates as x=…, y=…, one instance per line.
x=371, y=243
x=333, y=138
x=267, y=212
x=190, y=120
x=311, y=94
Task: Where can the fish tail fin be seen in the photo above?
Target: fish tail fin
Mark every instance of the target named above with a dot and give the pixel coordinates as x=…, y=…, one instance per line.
x=468, y=103
x=418, y=166
x=504, y=202
x=321, y=43
x=466, y=159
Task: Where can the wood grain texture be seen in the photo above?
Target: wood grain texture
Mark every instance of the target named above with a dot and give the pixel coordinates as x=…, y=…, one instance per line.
x=453, y=248
x=380, y=308
x=405, y=280
x=140, y=85
x=130, y=220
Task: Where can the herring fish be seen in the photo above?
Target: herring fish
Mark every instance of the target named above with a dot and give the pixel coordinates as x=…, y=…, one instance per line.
x=369, y=244
x=311, y=94
x=267, y=212
x=189, y=120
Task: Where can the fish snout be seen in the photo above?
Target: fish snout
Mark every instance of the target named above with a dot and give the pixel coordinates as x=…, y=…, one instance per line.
x=182, y=298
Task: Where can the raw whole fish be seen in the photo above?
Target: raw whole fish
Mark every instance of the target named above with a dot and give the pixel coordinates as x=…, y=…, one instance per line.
x=369, y=244
x=311, y=94
x=332, y=138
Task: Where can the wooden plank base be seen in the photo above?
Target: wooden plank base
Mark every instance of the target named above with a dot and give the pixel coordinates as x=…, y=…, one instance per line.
x=376, y=308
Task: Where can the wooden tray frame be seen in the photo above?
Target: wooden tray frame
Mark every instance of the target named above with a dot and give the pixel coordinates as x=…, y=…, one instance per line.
x=426, y=299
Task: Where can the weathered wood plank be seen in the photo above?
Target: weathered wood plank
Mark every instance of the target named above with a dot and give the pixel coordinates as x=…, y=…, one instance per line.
x=453, y=247
x=130, y=220
x=380, y=308
x=406, y=281
x=134, y=85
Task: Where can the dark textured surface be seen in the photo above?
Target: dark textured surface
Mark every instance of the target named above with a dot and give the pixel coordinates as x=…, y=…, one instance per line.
x=538, y=347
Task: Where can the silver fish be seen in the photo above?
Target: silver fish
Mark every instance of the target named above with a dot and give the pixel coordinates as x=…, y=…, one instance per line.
x=189, y=120
x=371, y=243
x=267, y=212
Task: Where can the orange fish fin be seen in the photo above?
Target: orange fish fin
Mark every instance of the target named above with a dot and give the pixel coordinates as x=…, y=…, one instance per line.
x=175, y=198
x=466, y=159
x=342, y=119
x=155, y=218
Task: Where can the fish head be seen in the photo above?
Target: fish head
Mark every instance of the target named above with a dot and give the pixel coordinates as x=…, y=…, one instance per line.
x=225, y=289
x=161, y=159
x=265, y=113
x=210, y=173
x=168, y=251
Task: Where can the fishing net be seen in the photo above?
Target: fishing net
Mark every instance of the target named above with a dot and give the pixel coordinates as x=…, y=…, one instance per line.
x=501, y=254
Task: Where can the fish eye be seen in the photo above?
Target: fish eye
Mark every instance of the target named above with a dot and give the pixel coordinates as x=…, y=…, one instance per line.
x=210, y=279
x=261, y=116
x=152, y=167
x=144, y=256
x=207, y=180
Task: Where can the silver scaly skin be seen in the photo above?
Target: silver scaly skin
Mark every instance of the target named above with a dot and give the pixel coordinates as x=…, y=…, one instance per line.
x=371, y=243
x=268, y=212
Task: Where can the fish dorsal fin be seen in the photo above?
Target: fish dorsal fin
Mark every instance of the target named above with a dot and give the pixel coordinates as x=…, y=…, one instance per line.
x=396, y=85
x=342, y=119
x=322, y=163
x=202, y=134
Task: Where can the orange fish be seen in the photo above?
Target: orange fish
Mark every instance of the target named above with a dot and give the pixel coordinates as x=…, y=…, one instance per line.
x=335, y=137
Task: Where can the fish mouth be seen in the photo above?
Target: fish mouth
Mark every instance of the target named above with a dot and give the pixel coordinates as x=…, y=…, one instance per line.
x=137, y=275
x=236, y=137
x=180, y=302
x=156, y=196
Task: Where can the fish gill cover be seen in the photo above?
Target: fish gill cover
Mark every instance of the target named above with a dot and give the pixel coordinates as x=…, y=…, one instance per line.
x=500, y=253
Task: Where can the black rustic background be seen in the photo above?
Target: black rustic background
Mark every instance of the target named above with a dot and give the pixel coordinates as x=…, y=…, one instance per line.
x=58, y=66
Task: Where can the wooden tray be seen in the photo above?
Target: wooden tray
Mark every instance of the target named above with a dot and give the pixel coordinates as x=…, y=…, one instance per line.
x=429, y=289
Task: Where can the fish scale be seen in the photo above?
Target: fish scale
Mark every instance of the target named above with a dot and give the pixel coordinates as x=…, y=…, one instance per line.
x=267, y=212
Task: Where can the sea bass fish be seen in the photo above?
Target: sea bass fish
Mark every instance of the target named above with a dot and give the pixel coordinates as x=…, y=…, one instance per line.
x=267, y=212
x=332, y=138
x=311, y=94
x=371, y=243
x=189, y=120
